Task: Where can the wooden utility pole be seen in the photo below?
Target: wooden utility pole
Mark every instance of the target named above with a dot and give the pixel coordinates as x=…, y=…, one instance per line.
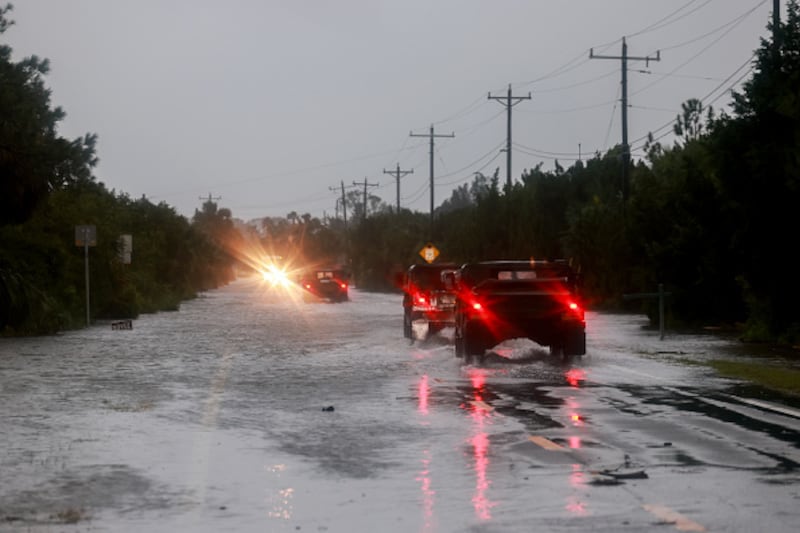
x=210, y=199
x=626, y=150
x=365, y=194
x=397, y=175
x=344, y=203
x=432, y=136
x=509, y=101
x=776, y=26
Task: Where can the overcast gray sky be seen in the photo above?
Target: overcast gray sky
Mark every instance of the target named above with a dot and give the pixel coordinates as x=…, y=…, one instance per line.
x=268, y=104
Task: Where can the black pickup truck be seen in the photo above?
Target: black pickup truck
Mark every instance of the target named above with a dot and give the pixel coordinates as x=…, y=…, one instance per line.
x=426, y=297
x=500, y=300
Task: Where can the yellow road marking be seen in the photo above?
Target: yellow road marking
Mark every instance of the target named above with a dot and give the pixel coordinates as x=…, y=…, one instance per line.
x=482, y=405
x=673, y=517
x=547, y=444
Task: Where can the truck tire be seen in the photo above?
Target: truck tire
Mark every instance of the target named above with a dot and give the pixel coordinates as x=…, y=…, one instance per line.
x=458, y=341
x=407, y=324
x=474, y=341
x=575, y=343
x=557, y=348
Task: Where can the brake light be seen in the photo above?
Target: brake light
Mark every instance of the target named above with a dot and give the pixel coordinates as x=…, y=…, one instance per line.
x=343, y=285
x=421, y=299
x=477, y=306
x=575, y=309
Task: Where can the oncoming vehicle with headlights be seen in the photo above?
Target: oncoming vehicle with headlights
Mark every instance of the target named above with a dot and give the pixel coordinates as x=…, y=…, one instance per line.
x=501, y=300
x=329, y=284
x=425, y=297
x=276, y=276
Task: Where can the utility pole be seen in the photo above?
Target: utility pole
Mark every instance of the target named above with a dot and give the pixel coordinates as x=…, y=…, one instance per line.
x=510, y=101
x=776, y=23
x=344, y=203
x=209, y=199
x=432, y=136
x=365, y=194
x=397, y=175
x=626, y=151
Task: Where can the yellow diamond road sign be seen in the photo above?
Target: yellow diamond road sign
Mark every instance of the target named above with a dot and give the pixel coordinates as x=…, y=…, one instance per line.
x=429, y=253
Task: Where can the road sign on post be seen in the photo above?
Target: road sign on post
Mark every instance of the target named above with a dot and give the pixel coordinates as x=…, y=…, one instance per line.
x=86, y=236
x=429, y=253
x=661, y=295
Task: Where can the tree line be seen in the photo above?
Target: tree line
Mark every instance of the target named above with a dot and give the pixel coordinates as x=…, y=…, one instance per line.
x=710, y=217
x=47, y=188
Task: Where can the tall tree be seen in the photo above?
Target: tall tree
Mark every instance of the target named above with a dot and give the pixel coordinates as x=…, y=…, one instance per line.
x=34, y=160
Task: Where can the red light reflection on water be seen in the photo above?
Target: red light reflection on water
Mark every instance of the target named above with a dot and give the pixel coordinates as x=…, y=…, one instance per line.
x=428, y=494
x=480, y=414
x=424, y=393
x=575, y=503
x=575, y=376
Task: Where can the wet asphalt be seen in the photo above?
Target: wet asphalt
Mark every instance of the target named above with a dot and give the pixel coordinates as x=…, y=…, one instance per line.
x=252, y=410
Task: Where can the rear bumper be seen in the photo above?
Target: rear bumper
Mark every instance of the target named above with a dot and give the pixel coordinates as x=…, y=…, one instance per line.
x=545, y=332
x=445, y=317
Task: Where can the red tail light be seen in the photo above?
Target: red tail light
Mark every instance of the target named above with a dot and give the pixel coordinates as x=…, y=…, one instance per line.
x=343, y=285
x=421, y=299
x=477, y=306
x=576, y=309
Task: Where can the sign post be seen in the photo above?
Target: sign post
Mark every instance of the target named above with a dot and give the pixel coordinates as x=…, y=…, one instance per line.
x=661, y=295
x=86, y=236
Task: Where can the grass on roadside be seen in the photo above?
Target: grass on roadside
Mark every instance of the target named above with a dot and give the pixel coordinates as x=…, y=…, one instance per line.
x=772, y=377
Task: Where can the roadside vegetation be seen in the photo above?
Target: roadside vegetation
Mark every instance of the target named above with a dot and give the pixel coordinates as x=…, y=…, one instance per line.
x=711, y=217
x=774, y=377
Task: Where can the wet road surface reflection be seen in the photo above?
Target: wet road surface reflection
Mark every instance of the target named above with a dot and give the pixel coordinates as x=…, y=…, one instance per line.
x=247, y=412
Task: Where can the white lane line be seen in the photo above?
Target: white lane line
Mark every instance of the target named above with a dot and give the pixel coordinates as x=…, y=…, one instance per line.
x=794, y=413
x=666, y=514
x=765, y=406
x=547, y=444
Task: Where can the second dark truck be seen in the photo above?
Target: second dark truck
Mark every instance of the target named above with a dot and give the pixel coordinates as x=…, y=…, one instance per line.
x=501, y=300
x=425, y=297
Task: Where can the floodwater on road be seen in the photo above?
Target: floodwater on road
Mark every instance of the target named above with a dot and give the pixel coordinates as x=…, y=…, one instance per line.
x=250, y=410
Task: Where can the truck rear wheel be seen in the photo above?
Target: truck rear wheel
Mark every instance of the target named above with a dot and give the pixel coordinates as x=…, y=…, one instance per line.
x=474, y=341
x=575, y=343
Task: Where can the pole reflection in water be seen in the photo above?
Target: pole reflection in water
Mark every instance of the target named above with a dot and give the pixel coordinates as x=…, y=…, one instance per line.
x=424, y=478
x=480, y=413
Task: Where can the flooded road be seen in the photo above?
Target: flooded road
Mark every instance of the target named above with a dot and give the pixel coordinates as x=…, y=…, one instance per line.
x=250, y=410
